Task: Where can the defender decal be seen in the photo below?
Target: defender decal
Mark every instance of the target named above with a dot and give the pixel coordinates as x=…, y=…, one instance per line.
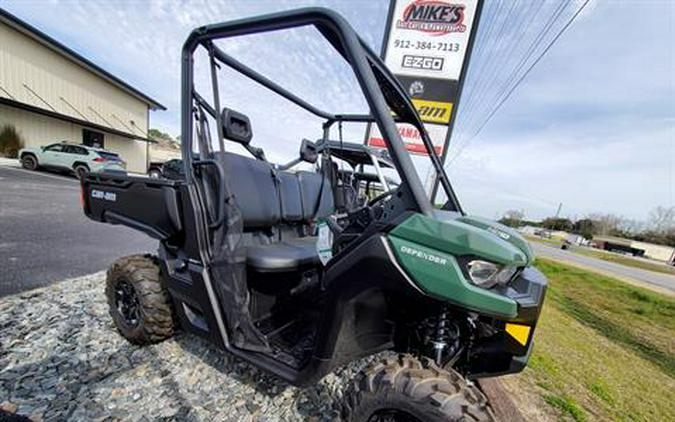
x=423, y=255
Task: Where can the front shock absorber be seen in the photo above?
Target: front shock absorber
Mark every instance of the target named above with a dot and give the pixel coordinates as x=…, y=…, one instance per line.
x=444, y=338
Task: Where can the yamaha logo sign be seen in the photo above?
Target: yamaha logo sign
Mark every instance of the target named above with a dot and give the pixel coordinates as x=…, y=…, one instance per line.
x=434, y=17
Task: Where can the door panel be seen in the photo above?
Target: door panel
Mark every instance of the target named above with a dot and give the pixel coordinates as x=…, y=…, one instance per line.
x=53, y=156
x=73, y=153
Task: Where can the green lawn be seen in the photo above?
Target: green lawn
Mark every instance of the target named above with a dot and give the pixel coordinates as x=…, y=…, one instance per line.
x=604, y=350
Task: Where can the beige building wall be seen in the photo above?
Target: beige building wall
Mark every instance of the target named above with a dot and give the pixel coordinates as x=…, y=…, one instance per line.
x=27, y=65
x=39, y=130
x=657, y=252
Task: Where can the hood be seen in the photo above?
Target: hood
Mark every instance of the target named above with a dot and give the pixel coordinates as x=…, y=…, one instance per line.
x=504, y=232
x=460, y=235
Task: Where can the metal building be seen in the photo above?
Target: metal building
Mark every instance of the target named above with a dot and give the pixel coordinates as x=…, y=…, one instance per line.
x=50, y=93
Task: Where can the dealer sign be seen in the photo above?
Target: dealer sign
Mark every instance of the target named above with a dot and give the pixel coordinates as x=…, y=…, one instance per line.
x=426, y=45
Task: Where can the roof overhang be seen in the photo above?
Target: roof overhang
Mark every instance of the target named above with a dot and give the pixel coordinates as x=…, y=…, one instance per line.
x=65, y=118
x=72, y=55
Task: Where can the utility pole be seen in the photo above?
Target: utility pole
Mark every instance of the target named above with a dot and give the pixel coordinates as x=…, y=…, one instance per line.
x=557, y=213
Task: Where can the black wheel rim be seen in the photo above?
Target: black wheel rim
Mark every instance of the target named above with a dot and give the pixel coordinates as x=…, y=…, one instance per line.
x=126, y=302
x=392, y=415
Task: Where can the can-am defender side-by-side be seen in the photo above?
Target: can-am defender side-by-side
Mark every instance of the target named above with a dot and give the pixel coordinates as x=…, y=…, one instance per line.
x=300, y=271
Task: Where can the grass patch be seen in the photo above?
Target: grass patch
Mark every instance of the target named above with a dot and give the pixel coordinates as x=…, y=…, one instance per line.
x=602, y=391
x=604, y=349
x=619, y=334
x=566, y=405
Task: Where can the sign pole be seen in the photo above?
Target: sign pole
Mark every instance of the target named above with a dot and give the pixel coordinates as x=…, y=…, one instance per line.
x=465, y=66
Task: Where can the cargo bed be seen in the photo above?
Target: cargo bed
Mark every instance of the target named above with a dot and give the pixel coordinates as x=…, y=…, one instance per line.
x=150, y=205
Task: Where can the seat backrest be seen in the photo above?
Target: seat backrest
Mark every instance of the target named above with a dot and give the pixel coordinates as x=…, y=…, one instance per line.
x=291, y=201
x=310, y=187
x=254, y=189
x=267, y=197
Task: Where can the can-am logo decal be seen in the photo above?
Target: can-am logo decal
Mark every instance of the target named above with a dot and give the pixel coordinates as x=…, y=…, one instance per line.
x=106, y=196
x=422, y=62
x=499, y=233
x=423, y=255
x=433, y=111
x=433, y=16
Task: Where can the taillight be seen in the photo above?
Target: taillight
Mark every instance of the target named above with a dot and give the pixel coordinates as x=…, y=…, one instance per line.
x=100, y=159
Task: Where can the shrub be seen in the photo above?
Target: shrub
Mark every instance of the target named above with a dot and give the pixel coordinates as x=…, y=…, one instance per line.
x=10, y=142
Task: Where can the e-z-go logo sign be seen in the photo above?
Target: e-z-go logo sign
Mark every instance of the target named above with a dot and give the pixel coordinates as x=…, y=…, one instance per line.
x=433, y=16
x=422, y=62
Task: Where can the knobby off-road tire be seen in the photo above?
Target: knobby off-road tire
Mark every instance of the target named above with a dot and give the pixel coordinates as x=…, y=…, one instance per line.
x=406, y=389
x=29, y=162
x=138, y=276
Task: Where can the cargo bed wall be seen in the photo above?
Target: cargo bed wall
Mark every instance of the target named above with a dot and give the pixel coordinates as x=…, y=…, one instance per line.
x=148, y=205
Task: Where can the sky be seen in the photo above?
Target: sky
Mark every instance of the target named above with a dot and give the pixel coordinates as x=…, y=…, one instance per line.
x=592, y=126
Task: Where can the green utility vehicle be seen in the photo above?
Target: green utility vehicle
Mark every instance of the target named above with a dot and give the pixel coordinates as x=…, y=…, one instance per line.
x=299, y=271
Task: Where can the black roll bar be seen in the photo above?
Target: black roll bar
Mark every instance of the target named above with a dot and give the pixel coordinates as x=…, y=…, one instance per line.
x=340, y=34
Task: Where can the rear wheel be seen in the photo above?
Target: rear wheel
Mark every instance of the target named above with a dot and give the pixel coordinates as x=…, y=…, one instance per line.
x=29, y=162
x=139, y=305
x=81, y=171
x=405, y=389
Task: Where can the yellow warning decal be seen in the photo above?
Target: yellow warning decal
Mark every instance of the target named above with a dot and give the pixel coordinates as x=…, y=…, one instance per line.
x=520, y=332
x=433, y=111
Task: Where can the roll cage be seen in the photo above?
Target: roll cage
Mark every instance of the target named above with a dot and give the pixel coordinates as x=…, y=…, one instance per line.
x=382, y=91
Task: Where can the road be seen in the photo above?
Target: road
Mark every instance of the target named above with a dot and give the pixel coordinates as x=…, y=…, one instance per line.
x=661, y=282
x=45, y=237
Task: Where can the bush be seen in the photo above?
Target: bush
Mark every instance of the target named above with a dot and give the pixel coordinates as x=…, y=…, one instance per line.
x=10, y=142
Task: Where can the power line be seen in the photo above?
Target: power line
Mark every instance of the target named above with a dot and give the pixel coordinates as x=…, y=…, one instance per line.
x=482, y=46
x=520, y=80
x=473, y=117
x=498, y=58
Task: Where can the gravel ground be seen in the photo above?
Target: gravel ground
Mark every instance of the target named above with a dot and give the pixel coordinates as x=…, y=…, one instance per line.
x=62, y=359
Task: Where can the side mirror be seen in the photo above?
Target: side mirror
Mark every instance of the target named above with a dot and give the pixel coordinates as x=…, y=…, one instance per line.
x=236, y=126
x=43, y=147
x=308, y=151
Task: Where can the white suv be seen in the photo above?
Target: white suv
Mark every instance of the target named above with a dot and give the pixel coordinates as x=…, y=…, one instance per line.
x=79, y=159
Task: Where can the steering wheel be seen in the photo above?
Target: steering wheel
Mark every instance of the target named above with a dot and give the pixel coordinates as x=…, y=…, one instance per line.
x=380, y=197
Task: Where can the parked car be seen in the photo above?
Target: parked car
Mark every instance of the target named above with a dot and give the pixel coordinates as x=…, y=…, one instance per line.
x=77, y=159
x=170, y=169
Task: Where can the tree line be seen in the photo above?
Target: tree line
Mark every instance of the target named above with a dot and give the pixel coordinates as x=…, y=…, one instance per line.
x=659, y=227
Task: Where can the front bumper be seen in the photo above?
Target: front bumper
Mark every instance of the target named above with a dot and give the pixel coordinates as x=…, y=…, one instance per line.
x=504, y=346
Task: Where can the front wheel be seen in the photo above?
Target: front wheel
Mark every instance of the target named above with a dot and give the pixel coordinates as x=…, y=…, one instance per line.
x=405, y=389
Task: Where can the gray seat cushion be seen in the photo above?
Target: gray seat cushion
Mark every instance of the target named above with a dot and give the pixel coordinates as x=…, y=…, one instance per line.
x=288, y=255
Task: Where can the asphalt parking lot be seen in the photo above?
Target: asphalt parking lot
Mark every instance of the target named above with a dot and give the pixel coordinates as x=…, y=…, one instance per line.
x=45, y=237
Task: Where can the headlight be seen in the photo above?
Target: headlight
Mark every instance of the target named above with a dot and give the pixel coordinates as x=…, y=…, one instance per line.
x=486, y=274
